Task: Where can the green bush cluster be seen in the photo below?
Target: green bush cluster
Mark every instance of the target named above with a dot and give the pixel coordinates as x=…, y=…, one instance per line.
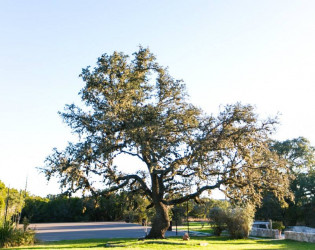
x=11, y=236
x=278, y=225
x=11, y=204
x=218, y=216
x=237, y=221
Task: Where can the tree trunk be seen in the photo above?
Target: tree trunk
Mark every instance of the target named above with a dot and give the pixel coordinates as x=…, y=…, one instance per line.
x=161, y=222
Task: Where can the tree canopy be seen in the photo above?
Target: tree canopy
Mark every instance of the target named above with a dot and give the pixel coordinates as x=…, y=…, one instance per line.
x=300, y=158
x=11, y=203
x=134, y=107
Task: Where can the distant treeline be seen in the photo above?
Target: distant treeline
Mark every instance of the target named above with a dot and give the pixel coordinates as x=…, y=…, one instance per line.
x=118, y=206
x=73, y=209
x=121, y=206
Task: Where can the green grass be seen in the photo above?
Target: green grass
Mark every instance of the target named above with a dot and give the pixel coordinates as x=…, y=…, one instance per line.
x=196, y=226
x=214, y=243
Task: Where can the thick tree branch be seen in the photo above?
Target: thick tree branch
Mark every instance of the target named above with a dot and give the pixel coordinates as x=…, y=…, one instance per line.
x=137, y=178
x=193, y=195
x=132, y=154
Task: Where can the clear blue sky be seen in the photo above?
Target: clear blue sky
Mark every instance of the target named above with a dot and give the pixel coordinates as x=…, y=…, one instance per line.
x=258, y=52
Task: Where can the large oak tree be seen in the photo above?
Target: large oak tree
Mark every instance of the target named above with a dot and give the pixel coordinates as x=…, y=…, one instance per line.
x=134, y=107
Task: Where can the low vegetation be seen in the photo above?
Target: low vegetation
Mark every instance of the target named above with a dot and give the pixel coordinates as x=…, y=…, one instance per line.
x=11, y=236
x=11, y=204
x=237, y=220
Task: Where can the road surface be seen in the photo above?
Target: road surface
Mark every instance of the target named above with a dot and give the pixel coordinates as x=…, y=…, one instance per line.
x=90, y=230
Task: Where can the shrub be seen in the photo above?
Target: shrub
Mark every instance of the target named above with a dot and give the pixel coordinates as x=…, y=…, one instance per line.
x=20, y=237
x=26, y=223
x=6, y=232
x=11, y=237
x=278, y=225
x=218, y=217
x=239, y=221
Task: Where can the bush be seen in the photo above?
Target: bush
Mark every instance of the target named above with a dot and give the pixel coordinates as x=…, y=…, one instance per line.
x=218, y=218
x=239, y=221
x=26, y=223
x=11, y=237
x=278, y=225
x=20, y=238
x=6, y=232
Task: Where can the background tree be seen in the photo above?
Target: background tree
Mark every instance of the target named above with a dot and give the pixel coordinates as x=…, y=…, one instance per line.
x=136, y=108
x=2, y=200
x=36, y=209
x=202, y=208
x=60, y=208
x=300, y=157
x=10, y=205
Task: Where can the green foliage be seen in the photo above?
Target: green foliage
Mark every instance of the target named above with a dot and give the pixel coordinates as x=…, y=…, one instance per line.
x=115, y=206
x=178, y=214
x=36, y=209
x=6, y=232
x=201, y=208
x=278, y=225
x=300, y=158
x=11, y=236
x=55, y=209
x=26, y=223
x=136, y=209
x=239, y=221
x=134, y=107
x=12, y=202
x=2, y=200
x=270, y=209
x=218, y=217
x=298, y=152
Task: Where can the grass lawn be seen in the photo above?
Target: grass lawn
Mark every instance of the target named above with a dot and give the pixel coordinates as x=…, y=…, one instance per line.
x=196, y=226
x=212, y=242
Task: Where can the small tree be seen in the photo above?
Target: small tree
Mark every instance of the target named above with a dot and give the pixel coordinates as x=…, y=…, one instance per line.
x=278, y=225
x=136, y=108
x=239, y=221
x=218, y=218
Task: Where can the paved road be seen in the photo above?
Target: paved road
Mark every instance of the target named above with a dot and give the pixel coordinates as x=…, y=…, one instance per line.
x=89, y=230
